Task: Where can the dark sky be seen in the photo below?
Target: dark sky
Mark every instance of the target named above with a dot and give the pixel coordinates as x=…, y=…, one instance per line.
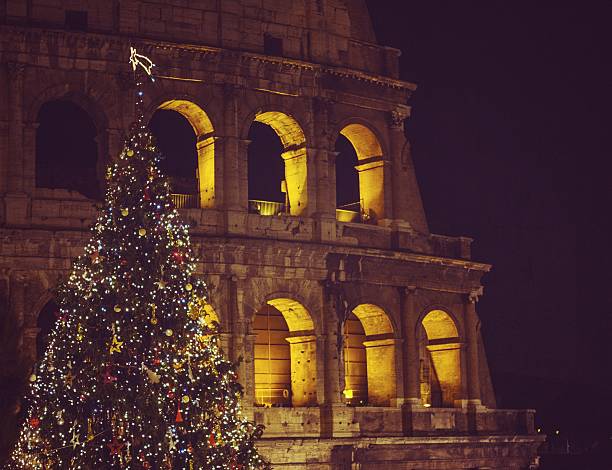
x=508, y=140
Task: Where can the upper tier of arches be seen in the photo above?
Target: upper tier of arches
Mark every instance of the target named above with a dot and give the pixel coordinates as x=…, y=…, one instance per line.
x=277, y=171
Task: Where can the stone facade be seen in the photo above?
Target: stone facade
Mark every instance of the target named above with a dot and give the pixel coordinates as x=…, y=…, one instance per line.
x=312, y=71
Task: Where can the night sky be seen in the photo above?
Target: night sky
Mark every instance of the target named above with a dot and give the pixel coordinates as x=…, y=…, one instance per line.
x=507, y=132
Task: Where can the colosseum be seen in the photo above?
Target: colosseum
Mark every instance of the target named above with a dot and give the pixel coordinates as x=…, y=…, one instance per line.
x=355, y=328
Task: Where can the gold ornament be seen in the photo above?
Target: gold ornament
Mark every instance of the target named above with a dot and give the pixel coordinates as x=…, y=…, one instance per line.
x=169, y=332
x=142, y=232
x=153, y=317
x=79, y=335
x=117, y=308
x=129, y=152
x=33, y=378
x=185, y=399
x=116, y=345
x=161, y=284
x=188, y=286
x=90, y=434
x=125, y=211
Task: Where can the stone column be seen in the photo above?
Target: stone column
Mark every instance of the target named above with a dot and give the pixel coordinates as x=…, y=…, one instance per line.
x=241, y=344
x=303, y=370
x=29, y=156
x=407, y=204
x=333, y=355
x=472, y=326
x=232, y=154
x=410, y=361
x=325, y=170
x=16, y=201
x=15, y=116
x=397, y=140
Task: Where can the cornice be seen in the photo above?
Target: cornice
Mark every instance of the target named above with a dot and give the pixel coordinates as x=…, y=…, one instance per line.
x=95, y=40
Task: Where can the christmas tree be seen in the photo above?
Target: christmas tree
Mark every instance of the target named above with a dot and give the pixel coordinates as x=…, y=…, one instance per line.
x=133, y=376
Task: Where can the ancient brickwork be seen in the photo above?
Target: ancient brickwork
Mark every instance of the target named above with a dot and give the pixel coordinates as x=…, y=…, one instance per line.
x=423, y=397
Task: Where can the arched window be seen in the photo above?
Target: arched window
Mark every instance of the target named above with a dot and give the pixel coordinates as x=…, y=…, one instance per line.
x=370, y=170
x=348, y=200
x=266, y=171
x=277, y=165
x=185, y=136
x=66, y=149
x=369, y=357
x=46, y=320
x=285, y=355
x=177, y=143
x=440, y=360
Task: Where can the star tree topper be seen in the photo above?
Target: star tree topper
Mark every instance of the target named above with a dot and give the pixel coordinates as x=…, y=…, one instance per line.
x=139, y=59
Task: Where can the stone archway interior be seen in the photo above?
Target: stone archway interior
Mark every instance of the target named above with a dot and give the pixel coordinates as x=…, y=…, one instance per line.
x=370, y=373
x=370, y=167
x=440, y=360
x=285, y=355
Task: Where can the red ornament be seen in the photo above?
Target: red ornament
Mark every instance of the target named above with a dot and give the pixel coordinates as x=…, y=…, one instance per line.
x=108, y=377
x=115, y=446
x=34, y=422
x=211, y=440
x=178, y=256
x=179, y=416
x=147, y=194
x=60, y=316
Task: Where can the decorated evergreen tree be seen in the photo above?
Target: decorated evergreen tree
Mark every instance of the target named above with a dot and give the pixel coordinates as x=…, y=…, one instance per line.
x=133, y=376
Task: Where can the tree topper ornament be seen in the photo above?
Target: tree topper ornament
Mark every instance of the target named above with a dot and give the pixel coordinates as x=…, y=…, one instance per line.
x=139, y=59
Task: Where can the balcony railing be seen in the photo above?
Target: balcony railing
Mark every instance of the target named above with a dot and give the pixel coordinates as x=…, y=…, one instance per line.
x=185, y=201
x=267, y=207
x=349, y=212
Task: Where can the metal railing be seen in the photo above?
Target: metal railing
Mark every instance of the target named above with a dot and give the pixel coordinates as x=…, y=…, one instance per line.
x=185, y=201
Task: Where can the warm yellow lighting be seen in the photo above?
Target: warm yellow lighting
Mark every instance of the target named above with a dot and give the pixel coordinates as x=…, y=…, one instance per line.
x=294, y=155
x=371, y=169
x=442, y=356
x=347, y=393
x=205, y=144
x=285, y=357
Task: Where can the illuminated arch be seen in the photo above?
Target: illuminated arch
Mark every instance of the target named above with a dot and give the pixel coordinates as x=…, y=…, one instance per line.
x=285, y=354
x=294, y=156
x=440, y=359
x=205, y=146
x=369, y=357
x=370, y=167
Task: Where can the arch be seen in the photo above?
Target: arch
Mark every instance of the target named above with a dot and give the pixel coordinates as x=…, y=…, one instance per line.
x=294, y=157
x=370, y=168
x=67, y=138
x=205, y=148
x=369, y=356
x=284, y=354
x=438, y=325
x=66, y=93
x=440, y=359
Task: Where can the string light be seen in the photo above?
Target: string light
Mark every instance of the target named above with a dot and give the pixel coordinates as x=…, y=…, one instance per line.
x=133, y=376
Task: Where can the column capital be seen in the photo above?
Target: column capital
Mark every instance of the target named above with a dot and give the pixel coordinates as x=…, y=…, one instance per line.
x=475, y=294
x=398, y=115
x=410, y=290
